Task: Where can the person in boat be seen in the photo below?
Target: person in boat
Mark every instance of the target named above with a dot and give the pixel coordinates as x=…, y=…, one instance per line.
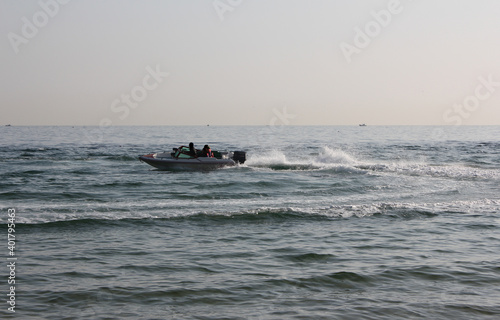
x=206, y=152
x=185, y=152
x=192, y=150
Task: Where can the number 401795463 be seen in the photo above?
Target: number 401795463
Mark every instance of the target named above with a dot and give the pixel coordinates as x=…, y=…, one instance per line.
x=10, y=232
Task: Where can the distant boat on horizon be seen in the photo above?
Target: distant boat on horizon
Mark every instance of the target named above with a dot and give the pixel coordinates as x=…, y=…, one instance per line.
x=362, y=124
x=8, y=125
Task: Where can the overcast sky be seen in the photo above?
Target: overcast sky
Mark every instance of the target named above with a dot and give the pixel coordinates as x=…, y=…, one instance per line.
x=250, y=62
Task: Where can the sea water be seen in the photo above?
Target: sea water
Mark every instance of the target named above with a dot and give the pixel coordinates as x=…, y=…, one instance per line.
x=339, y=222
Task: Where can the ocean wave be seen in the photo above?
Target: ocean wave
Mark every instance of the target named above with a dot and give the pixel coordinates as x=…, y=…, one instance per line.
x=69, y=153
x=341, y=279
x=134, y=211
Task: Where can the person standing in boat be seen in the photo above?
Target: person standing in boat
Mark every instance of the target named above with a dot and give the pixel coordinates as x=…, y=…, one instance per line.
x=206, y=152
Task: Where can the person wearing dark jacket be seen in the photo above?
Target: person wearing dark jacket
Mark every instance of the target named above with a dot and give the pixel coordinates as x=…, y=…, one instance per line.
x=192, y=151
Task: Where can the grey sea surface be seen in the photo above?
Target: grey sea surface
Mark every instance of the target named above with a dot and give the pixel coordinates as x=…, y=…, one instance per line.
x=341, y=222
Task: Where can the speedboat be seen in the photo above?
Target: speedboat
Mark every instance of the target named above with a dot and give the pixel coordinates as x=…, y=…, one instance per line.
x=180, y=159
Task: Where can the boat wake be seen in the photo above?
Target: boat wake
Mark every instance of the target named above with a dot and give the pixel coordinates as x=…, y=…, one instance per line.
x=326, y=159
x=337, y=160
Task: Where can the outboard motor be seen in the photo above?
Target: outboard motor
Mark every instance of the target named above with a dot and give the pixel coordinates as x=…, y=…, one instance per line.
x=239, y=156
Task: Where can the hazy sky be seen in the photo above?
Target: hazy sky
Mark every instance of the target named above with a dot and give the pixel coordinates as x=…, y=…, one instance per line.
x=249, y=62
